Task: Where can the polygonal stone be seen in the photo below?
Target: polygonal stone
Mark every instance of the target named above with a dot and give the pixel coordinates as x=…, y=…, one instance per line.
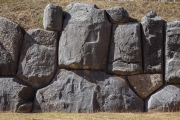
x=117, y=15
x=84, y=42
x=13, y=94
x=145, y=84
x=172, y=52
x=125, y=50
x=38, y=60
x=87, y=91
x=11, y=38
x=166, y=99
x=152, y=43
x=53, y=17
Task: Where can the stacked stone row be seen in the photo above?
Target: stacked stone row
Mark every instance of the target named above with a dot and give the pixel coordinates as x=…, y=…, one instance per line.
x=89, y=60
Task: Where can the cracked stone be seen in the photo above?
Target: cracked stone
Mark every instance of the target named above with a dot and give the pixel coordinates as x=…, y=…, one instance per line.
x=84, y=42
x=125, y=49
x=87, y=91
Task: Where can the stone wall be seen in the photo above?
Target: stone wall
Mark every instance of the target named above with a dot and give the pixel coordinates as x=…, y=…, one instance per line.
x=89, y=60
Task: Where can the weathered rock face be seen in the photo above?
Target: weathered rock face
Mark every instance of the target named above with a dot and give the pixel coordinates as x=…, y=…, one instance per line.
x=152, y=43
x=13, y=94
x=53, y=18
x=125, y=51
x=38, y=60
x=11, y=38
x=87, y=91
x=145, y=84
x=84, y=42
x=88, y=43
x=118, y=15
x=172, y=69
x=165, y=100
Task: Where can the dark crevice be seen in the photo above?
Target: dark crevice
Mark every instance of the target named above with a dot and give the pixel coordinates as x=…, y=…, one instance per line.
x=38, y=108
x=120, y=59
x=142, y=48
x=109, y=54
x=107, y=16
x=20, y=48
x=96, y=106
x=110, y=40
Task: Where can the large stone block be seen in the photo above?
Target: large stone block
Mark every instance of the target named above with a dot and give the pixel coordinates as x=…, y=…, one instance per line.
x=53, y=17
x=117, y=15
x=38, y=59
x=166, y=99
x=13, y=94
x=145, y=84
x=152, y=43
x=87, y=91
x=84, y=42
x=11, y=38
x=125, y=50
x=172, y=53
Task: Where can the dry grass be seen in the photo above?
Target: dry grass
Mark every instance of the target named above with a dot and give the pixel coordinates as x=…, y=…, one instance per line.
x=29, y=13
x=91, y=116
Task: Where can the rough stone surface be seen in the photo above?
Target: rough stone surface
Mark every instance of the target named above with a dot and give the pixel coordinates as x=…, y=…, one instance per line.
x=152, y=43
x=87, y=91
x=145, y=84
x=125, y=50
x=118, y=15
x=172, y=53
x=25, y=108
x=84, y=42
x=165, y=100
x=13, y=94
x=11, y=38
x=38, y=59
x=53, y=17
